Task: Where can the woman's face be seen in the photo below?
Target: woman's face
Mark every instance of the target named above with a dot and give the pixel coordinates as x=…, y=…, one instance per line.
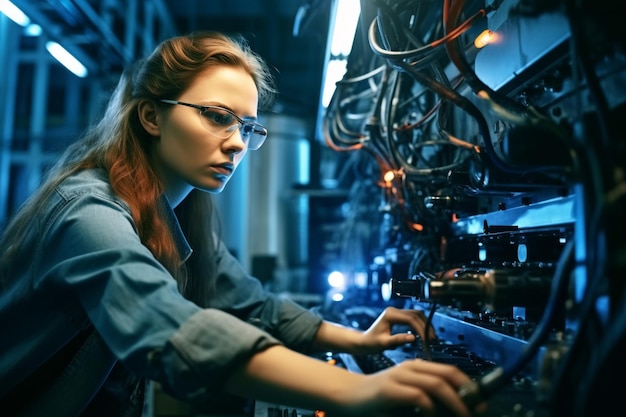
x=187, y=154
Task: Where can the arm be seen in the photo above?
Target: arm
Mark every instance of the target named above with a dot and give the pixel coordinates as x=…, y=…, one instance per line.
x=282, y=376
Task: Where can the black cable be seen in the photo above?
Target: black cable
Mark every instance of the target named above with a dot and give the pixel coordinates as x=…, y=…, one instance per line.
x=576, y=23
x=605, y=362
x=429, y=325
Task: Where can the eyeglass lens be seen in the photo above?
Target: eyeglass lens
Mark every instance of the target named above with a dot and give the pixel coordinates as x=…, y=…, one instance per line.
x=223, y=124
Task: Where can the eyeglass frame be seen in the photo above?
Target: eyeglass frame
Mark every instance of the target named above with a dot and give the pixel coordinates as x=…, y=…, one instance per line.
x=257, y=128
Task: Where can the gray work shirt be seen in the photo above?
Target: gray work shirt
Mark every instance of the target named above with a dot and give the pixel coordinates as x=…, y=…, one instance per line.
x=87, y=267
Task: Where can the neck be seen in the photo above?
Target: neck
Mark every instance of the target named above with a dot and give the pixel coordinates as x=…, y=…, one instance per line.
x=177, y=193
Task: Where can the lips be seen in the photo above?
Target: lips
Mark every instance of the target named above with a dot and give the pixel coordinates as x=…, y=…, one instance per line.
x=224, y=169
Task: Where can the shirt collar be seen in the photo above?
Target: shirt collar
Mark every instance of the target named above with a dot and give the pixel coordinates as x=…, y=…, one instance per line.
x=177, y=233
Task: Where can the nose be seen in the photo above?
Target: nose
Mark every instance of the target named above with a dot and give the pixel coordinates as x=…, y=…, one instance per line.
x=235, y=143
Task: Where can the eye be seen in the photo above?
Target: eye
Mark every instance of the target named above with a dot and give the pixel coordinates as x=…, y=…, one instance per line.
x=218, y=117
x=246, y=130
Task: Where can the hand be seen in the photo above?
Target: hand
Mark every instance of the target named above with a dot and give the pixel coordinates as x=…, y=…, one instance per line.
x=415, y=387
x=379, y=337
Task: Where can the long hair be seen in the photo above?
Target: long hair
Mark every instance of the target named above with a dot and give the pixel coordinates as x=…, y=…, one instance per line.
x=119, y=145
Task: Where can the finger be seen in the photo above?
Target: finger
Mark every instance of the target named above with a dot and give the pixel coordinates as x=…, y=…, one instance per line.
x=423, y=320
x=441, y=392
x=415, y=319
x=400, y=339
x=408, y=395
x=450, y=373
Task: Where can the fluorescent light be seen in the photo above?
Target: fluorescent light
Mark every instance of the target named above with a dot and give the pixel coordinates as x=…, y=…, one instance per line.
x=335, y=70
x=344, y=27
x=66, y=59
x=14, y=13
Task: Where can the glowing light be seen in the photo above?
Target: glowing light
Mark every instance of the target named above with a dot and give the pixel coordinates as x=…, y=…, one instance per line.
x=14, y=13
x=33, y=30
x=336, y=280
x=485, y=38
x=389, y=176
x=337, y=296
x=522, y=253
x=386, y=291
x=360, y=279
x=66, y=59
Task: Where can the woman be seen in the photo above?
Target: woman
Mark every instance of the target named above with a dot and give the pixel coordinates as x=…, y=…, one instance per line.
x=112, y=275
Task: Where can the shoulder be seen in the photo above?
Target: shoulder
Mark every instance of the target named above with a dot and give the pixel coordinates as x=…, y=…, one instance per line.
x=88, y=183
x=85, y=210
x=86, y=201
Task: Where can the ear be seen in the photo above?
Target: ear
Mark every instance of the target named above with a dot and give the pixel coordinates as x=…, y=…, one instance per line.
x=149, y=117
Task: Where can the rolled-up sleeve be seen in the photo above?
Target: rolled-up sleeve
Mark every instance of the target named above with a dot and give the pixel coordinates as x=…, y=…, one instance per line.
x=205, y=350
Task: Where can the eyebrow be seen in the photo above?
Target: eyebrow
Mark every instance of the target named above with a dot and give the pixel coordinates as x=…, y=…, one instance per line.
x=218, y=104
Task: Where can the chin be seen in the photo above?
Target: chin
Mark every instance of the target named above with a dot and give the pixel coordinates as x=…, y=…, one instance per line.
x=212, y=188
